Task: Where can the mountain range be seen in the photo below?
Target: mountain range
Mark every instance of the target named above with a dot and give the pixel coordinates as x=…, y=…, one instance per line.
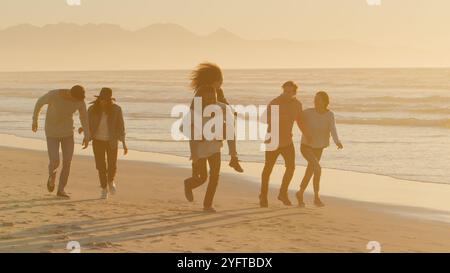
x=67, y=46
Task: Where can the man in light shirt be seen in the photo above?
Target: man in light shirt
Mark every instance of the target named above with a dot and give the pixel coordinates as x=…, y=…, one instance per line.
x=62, y=105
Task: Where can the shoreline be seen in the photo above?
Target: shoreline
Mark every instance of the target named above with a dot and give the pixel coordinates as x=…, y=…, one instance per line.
x=249, y=161
x=150, y=214
x=346, y=185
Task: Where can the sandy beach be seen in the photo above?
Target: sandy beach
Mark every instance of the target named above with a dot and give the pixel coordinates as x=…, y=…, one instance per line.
x=150, y=214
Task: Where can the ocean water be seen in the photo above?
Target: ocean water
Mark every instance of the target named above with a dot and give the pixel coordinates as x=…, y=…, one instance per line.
x=394, y=122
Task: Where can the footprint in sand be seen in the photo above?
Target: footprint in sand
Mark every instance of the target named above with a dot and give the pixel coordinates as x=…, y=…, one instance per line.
x=97, y=245
x=7, y=224
x=47, y=247
x=62, y=237
x=75, y=227
x=57, y=231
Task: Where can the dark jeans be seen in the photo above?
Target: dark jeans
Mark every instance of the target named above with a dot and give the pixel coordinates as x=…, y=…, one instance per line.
x=67, y=146
x=288, y=154
x=200, y=175
x=312, y=155
x=105, y=161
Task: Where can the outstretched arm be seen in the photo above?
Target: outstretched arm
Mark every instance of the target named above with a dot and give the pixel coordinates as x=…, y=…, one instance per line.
x=45, y=99
x=85, y=124
x=121, y=128
x=334, y=133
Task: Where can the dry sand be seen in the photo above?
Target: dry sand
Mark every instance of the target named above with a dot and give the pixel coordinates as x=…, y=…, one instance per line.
x=149, y=214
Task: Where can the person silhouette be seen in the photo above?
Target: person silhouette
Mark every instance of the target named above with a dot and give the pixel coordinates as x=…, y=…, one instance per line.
x=290, y=111
x=321, y=123
x=62, y=105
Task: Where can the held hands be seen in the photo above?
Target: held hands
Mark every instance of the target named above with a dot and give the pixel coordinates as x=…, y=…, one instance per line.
x=85, y=140
x=340, y=146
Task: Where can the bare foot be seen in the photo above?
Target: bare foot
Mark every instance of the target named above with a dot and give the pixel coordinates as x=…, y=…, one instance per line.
x=284, y=199
x=318, y=202
x=299, y=196
x=234, y=163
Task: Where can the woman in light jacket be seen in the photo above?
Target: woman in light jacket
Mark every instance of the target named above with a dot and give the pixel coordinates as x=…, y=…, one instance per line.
x=321, y=123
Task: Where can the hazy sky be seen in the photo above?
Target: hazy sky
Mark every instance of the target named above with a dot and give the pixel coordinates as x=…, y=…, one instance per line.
x=423, y=23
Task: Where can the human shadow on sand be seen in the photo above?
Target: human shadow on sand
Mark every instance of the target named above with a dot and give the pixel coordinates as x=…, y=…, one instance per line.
x=129, y=228
x=37, y=202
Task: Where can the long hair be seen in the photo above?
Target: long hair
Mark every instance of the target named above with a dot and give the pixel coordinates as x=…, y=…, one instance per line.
x=98, y=108
x=205, y=74
x=325, y=98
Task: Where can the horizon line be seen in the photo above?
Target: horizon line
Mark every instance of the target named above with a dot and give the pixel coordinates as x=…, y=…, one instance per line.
x=225, y=69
